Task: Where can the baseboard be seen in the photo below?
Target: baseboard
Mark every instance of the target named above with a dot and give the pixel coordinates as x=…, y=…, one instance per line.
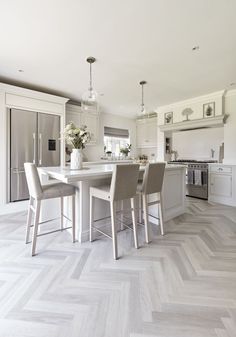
x=14, y=207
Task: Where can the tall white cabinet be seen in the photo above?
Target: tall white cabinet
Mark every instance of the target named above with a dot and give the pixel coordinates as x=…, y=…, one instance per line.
x=146, y=136
x=146, y=132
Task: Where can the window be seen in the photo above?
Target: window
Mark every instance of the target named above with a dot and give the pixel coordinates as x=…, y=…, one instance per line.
x=115, y=139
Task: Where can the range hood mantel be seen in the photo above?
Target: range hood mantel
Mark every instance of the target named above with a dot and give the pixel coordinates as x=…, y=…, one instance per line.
x=195, y=124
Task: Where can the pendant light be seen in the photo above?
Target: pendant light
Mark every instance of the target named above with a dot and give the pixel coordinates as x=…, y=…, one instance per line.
x=89, y=101
x=143, y=110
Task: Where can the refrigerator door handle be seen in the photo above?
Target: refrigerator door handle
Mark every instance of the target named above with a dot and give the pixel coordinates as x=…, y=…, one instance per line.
x=34, y=145
x=17, y=171
x=40, y=149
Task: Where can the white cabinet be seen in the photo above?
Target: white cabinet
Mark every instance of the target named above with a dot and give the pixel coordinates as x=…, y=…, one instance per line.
x=146, y=133
x=92, y=123
x=222, y=184
x=91, y=120
x=73, y=114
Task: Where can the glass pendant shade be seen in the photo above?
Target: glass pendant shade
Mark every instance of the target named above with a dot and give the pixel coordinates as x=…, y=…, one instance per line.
x=89, y=101
x=143, y=110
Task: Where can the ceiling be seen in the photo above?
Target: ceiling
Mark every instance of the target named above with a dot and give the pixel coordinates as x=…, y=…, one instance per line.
x=132, y=40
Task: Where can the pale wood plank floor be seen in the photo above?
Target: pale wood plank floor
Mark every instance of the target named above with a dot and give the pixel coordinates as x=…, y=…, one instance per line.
x=181, y=285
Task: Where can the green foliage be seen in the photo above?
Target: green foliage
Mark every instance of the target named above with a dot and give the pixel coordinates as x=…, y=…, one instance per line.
x=126, y=150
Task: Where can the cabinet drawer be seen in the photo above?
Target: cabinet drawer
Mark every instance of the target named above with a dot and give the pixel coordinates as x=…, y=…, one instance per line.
x=221, y=169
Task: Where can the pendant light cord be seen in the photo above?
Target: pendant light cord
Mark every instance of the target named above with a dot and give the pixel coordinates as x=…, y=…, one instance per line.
x=90, y=71
x=142, y=105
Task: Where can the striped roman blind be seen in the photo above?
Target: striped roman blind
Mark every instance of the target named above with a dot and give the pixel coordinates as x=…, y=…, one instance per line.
x=115, y=132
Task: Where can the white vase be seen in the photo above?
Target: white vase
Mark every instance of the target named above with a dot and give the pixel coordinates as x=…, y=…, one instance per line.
x=76, y=159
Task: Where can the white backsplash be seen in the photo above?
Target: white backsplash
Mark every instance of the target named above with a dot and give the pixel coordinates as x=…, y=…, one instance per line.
x=151, y=153
x=197, y=144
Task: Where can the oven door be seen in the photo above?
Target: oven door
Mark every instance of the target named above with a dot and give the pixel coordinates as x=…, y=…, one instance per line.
x=197, y=183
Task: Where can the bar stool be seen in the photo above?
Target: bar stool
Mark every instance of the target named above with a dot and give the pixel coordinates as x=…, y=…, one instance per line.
x=152, y=183
x=40, y=192
x=123, y=186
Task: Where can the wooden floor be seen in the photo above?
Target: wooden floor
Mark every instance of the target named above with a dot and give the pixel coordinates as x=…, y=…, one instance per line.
x=180, y=285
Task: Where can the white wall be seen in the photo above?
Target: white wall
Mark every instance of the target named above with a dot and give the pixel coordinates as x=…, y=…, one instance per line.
x=197, y=144
x=230, y=128
x=196, y=104
x=95, y=152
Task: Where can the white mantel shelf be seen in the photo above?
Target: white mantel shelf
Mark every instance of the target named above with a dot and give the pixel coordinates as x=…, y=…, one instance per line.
x=195, y=123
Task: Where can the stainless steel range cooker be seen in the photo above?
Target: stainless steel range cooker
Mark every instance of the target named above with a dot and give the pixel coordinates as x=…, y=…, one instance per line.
x=196, y=177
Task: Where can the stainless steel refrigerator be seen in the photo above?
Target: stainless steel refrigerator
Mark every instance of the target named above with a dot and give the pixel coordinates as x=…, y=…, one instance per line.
x=34, y=137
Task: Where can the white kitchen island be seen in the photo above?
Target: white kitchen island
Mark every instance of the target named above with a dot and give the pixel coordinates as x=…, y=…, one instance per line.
x=100, y=174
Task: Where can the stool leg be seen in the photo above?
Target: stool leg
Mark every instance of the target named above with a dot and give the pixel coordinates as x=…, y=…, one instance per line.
x=122, y=215
x=36, y=224
x=161, y=215
x=62, y=213
x=113, y=227
x=91, y=210
x=29, y=220
x=134, y=222
x=73, y=218
x=145, y=211
x=140, y=208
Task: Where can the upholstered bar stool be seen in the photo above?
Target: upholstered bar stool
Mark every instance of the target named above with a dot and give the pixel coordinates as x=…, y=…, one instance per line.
x=152, y=183
x=40, y=192
x=123, y=186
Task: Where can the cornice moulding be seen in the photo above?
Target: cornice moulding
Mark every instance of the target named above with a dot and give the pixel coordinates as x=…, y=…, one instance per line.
x=198, y=99
x=230, y=93
x=15, y=90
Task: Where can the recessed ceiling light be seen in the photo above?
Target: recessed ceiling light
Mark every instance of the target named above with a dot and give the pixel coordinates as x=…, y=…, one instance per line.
x=20, y=70
x=195, y=48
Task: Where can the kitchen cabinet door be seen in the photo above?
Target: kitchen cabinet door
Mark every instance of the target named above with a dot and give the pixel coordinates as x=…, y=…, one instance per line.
x=221, y=185
x=146, y=133
x=92, y=122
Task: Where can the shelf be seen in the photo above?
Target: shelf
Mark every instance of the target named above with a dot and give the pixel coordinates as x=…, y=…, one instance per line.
x=195, y=124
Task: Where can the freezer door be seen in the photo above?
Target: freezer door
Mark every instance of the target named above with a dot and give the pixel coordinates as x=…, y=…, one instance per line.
x=23, y=148
x=48, y=140
x=19, y=188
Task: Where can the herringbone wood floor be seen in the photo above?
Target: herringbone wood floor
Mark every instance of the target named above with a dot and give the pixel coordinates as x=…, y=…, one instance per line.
x=180, y=285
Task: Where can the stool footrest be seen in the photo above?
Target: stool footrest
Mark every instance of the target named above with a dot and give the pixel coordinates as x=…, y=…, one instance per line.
x=99, y=231
x=46, y=221
x=51, y=232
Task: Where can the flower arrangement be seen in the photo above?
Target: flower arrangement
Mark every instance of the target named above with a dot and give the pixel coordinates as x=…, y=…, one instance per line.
x=75, y=136
x=126, y=150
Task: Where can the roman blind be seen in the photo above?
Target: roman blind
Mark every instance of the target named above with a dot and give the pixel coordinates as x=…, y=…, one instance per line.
x=115, y=132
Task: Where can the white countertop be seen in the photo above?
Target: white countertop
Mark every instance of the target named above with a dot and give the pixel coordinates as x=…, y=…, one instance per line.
x=107, y=161
x=88, y=172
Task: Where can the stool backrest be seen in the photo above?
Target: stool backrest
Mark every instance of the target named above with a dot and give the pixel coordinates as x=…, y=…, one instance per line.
x=153, y=178
x=33, y=181
x=124, y=181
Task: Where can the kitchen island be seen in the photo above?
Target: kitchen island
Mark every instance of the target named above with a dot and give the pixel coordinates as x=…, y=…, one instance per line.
x=99, y=174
